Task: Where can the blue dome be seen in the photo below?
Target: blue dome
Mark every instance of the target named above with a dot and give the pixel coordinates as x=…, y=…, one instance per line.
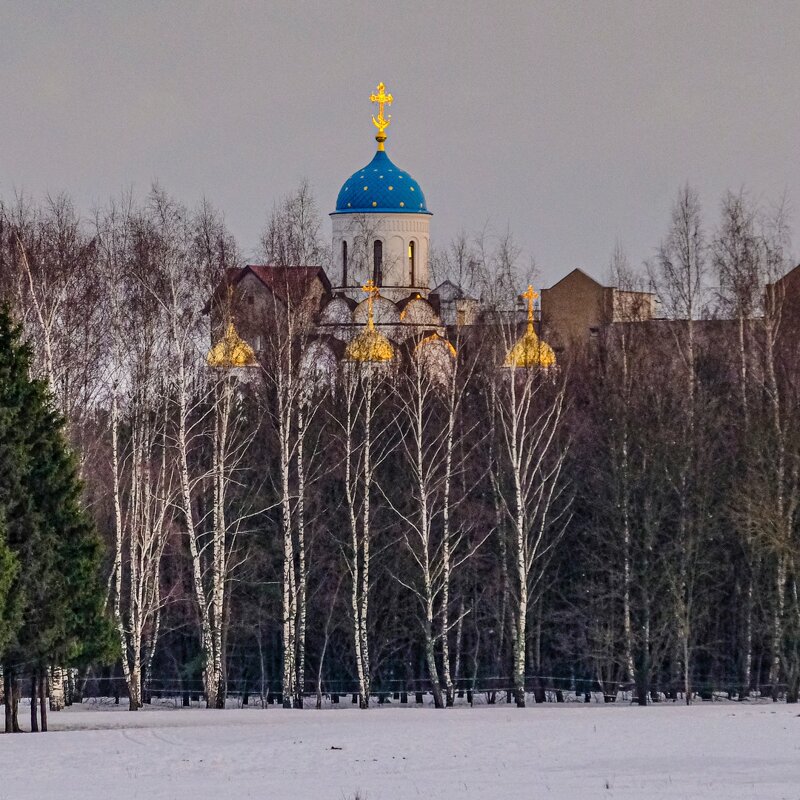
x=381, y=187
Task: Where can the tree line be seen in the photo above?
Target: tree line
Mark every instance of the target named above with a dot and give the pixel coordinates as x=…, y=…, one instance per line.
x=301, y=528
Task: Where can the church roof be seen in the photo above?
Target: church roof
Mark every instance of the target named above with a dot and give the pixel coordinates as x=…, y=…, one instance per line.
x=381, y=187
x=576, y=273
x=447, y=290
x=288, y=284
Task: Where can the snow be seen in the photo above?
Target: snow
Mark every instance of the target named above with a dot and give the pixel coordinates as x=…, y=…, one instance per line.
x=715, y=751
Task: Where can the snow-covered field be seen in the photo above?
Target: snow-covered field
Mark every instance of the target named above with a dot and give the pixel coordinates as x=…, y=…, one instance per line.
x=567, y=752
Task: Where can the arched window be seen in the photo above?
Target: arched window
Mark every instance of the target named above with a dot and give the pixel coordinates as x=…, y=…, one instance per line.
x=412, y=264
x=344, y=263
x=377, y=262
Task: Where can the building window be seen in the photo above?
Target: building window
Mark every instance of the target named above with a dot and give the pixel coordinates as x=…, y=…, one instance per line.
x=412, y=266
x=377, y=262
x=344, y=263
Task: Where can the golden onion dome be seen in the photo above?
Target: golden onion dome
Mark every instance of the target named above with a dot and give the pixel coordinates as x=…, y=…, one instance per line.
x=436, y=355
x=436, y=339
x=231, y=351
x=370, y=345
x=529, y=350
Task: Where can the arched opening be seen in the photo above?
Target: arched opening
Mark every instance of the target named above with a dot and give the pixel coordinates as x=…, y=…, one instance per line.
x=377, y=262
x=412, y=263
x=344, y=263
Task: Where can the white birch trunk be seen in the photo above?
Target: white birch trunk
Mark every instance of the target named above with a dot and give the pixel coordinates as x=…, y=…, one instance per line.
x=203, y=604
x=529, y=421
x=302, y=579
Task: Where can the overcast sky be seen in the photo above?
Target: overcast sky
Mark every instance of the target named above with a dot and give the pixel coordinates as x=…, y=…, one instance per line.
x=572, y=124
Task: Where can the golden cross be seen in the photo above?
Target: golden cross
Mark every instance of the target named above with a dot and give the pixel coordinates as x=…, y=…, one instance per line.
x=372, y=292
x=381, y=98
x=370, y=288
x=530, y=295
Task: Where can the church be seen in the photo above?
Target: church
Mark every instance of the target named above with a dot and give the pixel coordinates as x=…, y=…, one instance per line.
x=376, y=305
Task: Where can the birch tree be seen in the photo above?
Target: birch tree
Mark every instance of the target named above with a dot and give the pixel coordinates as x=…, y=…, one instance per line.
x=292, y=237
x=169, y=258
x=142, y=488
x=286, y=387
x=738, y=262
x=771, y=496
x=193, y=251
x=531, y=488
x=431, y=393
x=142, y=478
x=52, y=272
x=616, y=579
x=364, y=444
x=679, y=277
x=423, y=440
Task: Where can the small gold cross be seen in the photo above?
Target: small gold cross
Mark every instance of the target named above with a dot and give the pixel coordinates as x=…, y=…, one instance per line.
x=370, y=288
x=530, y=295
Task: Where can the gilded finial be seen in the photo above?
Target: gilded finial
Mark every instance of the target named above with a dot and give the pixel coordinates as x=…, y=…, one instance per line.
x=372, y=291
x=370, y=288
x=231, y=351
x=529, y=350
x=370, y=345
x=380, y=122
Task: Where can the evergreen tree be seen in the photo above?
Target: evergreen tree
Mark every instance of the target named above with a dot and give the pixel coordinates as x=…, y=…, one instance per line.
x=8, y=572
x=54, y=598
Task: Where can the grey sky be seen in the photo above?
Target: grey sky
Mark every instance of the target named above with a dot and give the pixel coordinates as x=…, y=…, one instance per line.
x=571, y=123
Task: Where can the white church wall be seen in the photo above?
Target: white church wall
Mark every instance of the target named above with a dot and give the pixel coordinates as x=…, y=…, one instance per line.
x=395, y=231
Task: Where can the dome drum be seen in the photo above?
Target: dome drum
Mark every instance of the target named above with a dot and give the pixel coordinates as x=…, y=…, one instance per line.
x=391, y=249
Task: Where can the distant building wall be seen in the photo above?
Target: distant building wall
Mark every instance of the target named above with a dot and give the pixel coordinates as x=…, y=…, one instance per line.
x=574, y=309
x=632, y=306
